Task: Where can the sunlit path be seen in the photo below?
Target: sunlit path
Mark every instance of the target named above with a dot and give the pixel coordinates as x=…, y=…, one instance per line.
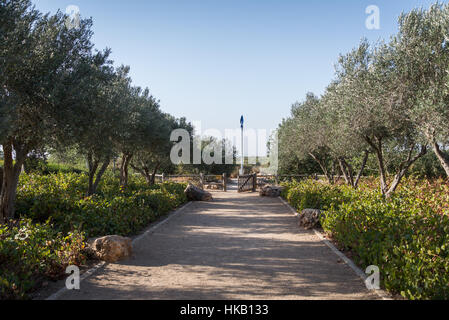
x=239, y=246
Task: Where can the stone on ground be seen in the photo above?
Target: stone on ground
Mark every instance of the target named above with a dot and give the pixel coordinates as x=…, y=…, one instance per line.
x=196, y=194
x=310, y=219
x=112, y=248
x=271, y=191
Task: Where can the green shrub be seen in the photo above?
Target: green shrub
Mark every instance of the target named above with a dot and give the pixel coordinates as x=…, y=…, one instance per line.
x=38, y=164
x=56, y=218
x=119, y=215
x=60, y=198
x=30, y=252
x=312, y=194
x=42, y=197
x=406, y=236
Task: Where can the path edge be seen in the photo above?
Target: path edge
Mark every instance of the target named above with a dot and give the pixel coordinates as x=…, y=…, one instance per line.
x=381, y=293
x=149, y=230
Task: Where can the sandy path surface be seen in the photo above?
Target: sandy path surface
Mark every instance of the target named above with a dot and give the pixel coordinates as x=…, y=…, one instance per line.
x=239, y=246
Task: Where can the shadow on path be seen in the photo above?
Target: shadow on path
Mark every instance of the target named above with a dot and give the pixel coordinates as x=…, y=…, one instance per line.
x=239, y=246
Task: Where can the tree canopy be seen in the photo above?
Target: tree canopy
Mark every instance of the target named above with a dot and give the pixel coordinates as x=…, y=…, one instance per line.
x=58, y=93
x=388, y=99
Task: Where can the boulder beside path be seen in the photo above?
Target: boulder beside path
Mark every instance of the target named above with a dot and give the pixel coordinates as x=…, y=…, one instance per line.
x=112, y=248
x=196, y=194
x=310, y=219
x=270, y=191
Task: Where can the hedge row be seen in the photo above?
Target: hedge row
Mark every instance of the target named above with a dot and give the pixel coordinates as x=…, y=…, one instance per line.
x=31, y=253
x=406, y=236
x=59, y=200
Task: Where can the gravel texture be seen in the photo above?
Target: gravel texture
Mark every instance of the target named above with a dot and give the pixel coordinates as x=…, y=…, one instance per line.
x=238, y=246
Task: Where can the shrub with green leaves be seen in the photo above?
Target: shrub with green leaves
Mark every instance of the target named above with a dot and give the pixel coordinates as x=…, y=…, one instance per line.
x=406, y=236
x=60, y=199
x=56, y=218
x=312, y=194
x=31, y=252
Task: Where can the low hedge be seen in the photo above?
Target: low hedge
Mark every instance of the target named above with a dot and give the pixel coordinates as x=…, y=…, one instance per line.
x=311, y=194
x=59, y=199
x=406, y=236
x=30, y=253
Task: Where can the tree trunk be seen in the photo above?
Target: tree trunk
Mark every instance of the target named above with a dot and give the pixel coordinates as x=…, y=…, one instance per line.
x=387, y=191
x=153, y=176
x=377, y=147
x=94, y=176
x=403, y=168
x=440, y=155
x=362, y=168
x=329, y=176
x=100, y=174
x=145, y=172
x=92, y=166
x=335, y=177
x=346, y=170
x=126, y=159
x=350, y=172
x=1, y=178
x=11, y=174
x=147, y=175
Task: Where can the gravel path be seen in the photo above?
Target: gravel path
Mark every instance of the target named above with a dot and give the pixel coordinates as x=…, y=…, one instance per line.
x=239, y=246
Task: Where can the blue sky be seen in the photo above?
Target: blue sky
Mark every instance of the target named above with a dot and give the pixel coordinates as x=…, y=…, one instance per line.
x=215, y=60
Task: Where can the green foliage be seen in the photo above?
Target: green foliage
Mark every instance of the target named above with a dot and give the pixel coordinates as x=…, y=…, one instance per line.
x=60, y=96
x=388, y=99
x=223, y=153
x=311, y=194
x=292, y=165
x=29, y=252
x=406, y=236
x=155, y=154
x=56, y=219
x=45, y=168
x=428, y=167
x=113, y=210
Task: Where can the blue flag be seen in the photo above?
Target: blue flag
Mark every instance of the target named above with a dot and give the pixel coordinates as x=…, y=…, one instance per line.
x=241, y=122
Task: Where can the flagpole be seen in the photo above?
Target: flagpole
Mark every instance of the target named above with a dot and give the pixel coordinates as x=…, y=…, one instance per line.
x=243, y=157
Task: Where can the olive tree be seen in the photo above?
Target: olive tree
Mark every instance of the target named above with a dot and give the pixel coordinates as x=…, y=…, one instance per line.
x=423, y=56
x=216, y=157
x=143, y=125
x=306, y=135
x=37, y=57
x=93, y=117
x=97, y=124
x=380, y=99
x=155, y=154
x=346, y=147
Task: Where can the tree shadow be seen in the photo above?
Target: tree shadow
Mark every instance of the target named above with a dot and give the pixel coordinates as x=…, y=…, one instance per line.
x=233, y=248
